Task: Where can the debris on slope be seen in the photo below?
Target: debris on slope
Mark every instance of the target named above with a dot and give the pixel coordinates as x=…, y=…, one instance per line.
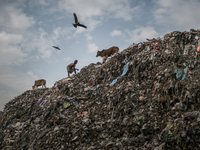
x=146, y=97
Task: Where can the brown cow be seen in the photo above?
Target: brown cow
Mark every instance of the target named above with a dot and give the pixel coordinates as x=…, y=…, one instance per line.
x=40, y=82
x=105, y=53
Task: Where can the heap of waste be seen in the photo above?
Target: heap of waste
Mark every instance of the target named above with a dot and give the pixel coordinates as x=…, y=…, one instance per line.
x=146, y=98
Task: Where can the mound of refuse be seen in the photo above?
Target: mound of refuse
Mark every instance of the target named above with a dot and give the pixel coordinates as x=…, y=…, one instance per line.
x=144, y=98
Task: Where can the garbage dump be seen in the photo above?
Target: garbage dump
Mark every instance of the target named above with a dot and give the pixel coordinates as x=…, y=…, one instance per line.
x=144, y=98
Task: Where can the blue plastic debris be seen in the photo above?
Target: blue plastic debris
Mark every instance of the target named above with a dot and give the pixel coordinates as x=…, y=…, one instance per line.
x=124, y=72
x=126, y=69
x=181, y=74
x=185, y=73
x=114, y=81
x=38, y=104
x=109, y=79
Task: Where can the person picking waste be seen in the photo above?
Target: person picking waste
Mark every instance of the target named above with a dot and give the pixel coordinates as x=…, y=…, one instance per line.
x=71, y=68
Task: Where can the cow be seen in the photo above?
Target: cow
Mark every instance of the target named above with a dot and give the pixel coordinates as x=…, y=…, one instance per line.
x=40, y=82
x=105, y=53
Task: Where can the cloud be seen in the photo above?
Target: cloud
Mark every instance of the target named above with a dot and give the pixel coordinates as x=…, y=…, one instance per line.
x=20, y=40
x=92, y=47
x=13, y=17
x=57, y=32
x=175, y=13
x=140, y=34
x=92, y=23
x=32, y=75
x=115, y=33
x=88, y=37
x=124, y=11
x=79, y=30
x=40, y=42
x=167, y=3
x=42, y=2
x=61, y=33
x=10, y=50
x=17, y=48
x=67, y=59
x=92, y=13
x=17, y=40
x=7, y=38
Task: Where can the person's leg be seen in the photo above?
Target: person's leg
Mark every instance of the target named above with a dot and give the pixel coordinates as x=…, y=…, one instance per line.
x=68, y=70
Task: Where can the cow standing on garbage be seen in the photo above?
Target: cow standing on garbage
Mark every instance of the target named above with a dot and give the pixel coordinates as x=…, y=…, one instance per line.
x=105, y=53
x=40, y=82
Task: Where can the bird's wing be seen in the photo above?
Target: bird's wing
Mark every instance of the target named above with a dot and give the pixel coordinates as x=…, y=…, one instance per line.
x=56, y=47
x=82, y=25
x=75, y=18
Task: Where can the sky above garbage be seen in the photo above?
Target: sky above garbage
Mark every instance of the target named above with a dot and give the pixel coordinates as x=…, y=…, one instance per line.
x=29, y=29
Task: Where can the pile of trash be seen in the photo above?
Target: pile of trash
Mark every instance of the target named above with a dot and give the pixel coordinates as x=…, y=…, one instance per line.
x=144, y=98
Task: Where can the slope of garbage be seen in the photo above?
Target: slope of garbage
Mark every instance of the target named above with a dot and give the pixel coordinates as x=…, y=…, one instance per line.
x=144, y=98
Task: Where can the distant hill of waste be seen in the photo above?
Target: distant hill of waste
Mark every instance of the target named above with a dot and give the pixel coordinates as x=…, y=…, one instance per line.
x=144, y=98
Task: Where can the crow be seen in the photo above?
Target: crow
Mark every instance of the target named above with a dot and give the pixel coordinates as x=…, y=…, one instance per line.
x=77, y=23
x=56, y=47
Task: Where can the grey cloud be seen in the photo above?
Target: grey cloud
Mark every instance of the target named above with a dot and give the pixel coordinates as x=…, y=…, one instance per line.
x=10, y=50
x=115, y=33
x=182, y=14
x=98, y=11
x=140, y=34
x=12, y=17
x=92, y=47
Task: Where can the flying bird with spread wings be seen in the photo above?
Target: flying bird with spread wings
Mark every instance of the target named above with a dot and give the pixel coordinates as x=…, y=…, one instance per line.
x=77, y=23
x=56, y=47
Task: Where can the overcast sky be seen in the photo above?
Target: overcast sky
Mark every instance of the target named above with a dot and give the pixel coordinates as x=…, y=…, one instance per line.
x=29, y=29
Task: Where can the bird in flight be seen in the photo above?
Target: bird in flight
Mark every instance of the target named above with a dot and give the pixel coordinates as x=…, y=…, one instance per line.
x=56, y=47
x=77, y=23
